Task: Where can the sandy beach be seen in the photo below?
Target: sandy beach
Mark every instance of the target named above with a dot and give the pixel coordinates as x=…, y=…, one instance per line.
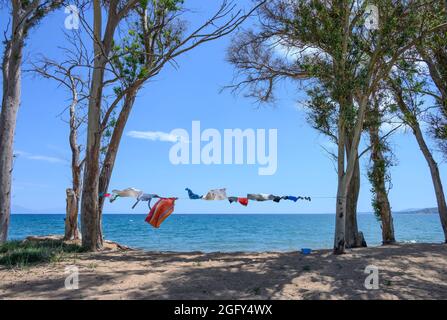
x=406, y=271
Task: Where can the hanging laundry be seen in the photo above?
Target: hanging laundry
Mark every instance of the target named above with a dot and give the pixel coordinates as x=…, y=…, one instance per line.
x=260, y=197
x=146, y=197
x=104, y=194
x=291, y=198
x=295, y=199
x=192, y=195
x=276, y=199
x=129, y=193
x=113, y=197
x=160, y=211
x=216, y=194
x=243, y=201
x=232, y=199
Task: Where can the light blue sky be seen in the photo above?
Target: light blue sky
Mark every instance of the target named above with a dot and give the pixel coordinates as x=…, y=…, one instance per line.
x=173, y=100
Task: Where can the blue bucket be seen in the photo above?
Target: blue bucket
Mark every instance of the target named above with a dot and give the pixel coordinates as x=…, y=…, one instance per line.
x=306, y=251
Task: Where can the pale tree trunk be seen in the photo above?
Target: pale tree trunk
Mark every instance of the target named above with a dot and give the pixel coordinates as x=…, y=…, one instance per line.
x=340, y=218
x=112, y=149
x=354, y=238
x=12, y=61
x=378, y=174
x=90, y=221
x=340, y=208
x=71, y=217
x=434, y=171
x=74, y=193
x=91, y=228
x=345, y=176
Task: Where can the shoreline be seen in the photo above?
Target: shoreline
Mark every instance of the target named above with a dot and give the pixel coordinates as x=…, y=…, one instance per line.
x=110, y=245
x=406, y=271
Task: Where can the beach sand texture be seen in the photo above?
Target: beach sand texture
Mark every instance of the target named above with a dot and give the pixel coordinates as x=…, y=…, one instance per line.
x=406, y=271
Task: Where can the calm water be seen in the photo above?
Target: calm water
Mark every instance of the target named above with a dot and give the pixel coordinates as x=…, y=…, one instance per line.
x=225, y=232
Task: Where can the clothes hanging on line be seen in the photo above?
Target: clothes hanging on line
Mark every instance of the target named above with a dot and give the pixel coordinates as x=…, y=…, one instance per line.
x=128, y=193
x=216, y=194
x=262, y=197
x=146, y=197
x=291, y=198
x=105, y=195
x=232, y=199
x=295, y=199
x=192, y=195
x=160, y=211
x=242, y=201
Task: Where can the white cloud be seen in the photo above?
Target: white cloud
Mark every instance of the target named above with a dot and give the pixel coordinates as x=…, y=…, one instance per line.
x=46, y=158
x=155, y=136
x=38, y=157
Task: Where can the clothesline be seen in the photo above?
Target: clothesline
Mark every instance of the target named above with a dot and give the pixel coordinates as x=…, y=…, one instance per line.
x=165, y=205
x=213, y=194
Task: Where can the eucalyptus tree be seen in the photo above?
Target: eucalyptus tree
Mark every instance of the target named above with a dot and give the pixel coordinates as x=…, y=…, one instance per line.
x=381, y=159
x=25, y=15
x=322, y=115
x=408, y=86
x=156, y=37
x=340, y=53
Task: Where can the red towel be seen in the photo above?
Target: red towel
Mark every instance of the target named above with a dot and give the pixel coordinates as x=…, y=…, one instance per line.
x=160, y=211
x=243, y=201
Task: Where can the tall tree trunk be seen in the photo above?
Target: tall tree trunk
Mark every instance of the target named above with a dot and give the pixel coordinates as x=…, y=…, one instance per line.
x=345, y=176
x=378, y=180
x=12, y=61
x=340, y=207
x=112, y=150
x=354, y=238
x=412, y=121
x=74, y=193
x=90, y=220
x=91, y=226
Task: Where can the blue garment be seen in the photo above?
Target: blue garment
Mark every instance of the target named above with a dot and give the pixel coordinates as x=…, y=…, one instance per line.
x=192, y=195
x=291, y=198
x=295, y=199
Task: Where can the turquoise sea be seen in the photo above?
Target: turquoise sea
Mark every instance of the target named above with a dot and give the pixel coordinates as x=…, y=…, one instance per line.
x=226, y=232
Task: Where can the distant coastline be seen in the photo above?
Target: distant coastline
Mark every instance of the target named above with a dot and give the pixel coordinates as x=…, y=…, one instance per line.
x=418, y=211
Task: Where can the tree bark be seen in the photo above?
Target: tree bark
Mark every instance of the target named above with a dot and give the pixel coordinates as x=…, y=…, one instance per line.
x=112, y=150
x=71, y=217
x=353, y=238
x=345, y=176
x=12, y=61
x=90, y=222
x=74, y=193
x=340, y=217
x=91, y=228
x=340, y=208
x=381, y=201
